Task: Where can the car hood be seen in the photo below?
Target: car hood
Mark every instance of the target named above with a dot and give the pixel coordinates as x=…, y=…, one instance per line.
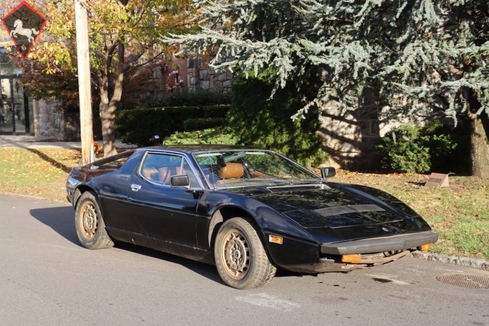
x=347, y=212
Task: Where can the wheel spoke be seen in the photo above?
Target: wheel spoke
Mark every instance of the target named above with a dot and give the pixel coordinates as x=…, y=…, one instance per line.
x=89, y=221
x=236, y=255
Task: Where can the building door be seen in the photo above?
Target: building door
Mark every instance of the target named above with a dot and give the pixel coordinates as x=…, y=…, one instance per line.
x=15, y=108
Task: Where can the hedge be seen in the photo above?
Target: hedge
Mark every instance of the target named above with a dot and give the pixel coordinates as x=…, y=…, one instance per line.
x=137, y=126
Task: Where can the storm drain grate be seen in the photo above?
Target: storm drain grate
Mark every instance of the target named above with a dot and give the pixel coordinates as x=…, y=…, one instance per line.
x=465, y=280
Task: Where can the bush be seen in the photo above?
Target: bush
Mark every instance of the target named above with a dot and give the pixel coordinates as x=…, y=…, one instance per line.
x=219, y=135
x=402, y=151
x=136, y=126
x=202, y=123
x=435, y=147
x=449, y=146
x=198, y=98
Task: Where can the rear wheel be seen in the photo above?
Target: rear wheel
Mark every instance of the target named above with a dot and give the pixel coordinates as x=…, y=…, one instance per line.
x=240, y=258
x=89, y=224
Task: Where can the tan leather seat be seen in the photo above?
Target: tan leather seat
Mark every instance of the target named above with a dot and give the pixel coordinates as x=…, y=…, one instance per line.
x=231, y=170
x=149, y=172
x=165, y=173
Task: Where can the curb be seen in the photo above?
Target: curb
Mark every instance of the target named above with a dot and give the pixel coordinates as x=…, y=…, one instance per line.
x=454, y=260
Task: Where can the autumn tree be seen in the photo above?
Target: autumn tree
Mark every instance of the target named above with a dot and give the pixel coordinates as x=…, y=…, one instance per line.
x=123, y=37
x=422, y=57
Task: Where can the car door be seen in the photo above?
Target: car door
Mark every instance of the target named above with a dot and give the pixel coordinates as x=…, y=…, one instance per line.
x=164, y=212
x=113, y=188
x=113, y=193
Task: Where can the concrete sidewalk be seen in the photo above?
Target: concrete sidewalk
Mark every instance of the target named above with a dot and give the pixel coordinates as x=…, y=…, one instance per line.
x=26, y=141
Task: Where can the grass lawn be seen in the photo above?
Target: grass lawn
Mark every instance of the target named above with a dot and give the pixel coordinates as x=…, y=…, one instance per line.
x=459, y=213
x=37, y=172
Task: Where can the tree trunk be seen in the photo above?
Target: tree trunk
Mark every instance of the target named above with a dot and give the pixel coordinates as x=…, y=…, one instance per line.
x=479, y=148
x=107, y=117
x=109, y=103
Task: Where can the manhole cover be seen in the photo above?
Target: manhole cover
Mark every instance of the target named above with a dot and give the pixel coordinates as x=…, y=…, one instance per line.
x=465, y=280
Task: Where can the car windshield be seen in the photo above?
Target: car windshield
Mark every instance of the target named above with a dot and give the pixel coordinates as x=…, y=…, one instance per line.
x=241, y=168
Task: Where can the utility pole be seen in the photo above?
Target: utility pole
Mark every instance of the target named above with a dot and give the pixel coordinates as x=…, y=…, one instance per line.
x=86, y=124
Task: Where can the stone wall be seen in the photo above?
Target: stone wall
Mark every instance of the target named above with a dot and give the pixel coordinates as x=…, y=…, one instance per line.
x=350, y=140
x=206, y=78
x=50, y=122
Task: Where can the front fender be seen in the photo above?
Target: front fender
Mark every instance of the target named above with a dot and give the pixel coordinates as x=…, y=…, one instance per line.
x=265, y=217
x=298, y=246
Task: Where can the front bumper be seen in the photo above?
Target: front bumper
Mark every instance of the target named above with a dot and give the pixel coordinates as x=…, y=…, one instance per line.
x=326, y=265
x=380, y=244
x=313, y=258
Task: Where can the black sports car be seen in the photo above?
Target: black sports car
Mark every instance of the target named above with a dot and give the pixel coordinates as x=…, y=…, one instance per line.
x=248, y=211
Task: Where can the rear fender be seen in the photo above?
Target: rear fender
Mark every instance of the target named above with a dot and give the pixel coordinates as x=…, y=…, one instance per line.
x=80, y=191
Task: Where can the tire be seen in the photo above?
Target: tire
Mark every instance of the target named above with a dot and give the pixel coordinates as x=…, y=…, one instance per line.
x=89, y=224
x=239, y=255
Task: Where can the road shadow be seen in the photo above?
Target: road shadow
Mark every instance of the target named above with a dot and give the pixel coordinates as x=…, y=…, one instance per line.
x=203, y=269
x=60, y=219
x=206, y=270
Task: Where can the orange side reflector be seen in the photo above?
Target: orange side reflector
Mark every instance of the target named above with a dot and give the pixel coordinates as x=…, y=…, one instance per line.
x=425, y=247
x=275, y=239
x=351, y=258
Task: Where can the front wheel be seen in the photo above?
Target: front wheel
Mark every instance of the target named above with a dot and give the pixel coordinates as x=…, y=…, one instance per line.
x=89, y=224
x=239, y=255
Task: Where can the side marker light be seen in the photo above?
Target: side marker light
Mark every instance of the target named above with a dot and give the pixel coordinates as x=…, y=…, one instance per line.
x=351, y=258
x=275, y=239
x=425, y=247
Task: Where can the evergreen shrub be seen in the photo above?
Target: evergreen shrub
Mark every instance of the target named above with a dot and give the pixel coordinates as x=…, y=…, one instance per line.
x=436, y=147
x=186, y=98
x=218, y=135
x=261, y=122
x=202, y=123
x=137, y=126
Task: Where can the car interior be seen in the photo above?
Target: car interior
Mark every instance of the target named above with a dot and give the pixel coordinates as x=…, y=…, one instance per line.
x=231, y=171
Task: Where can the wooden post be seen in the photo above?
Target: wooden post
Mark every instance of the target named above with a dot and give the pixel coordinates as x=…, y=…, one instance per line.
x=86, y=124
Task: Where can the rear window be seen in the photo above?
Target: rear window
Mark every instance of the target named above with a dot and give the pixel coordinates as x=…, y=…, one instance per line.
x=112, y=162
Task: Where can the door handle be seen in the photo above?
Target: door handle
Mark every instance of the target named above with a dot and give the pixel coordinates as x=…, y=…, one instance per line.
x=135, y=187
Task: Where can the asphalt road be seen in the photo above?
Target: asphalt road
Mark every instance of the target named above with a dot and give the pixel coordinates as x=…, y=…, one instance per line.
x=46, y=278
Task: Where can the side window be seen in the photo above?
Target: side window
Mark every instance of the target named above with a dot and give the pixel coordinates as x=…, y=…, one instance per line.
x=191, y=175
x=149, y=168
x=161, y=167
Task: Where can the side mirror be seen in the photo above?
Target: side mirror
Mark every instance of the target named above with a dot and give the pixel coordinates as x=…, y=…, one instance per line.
x=328, y=172
x=180, y=181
